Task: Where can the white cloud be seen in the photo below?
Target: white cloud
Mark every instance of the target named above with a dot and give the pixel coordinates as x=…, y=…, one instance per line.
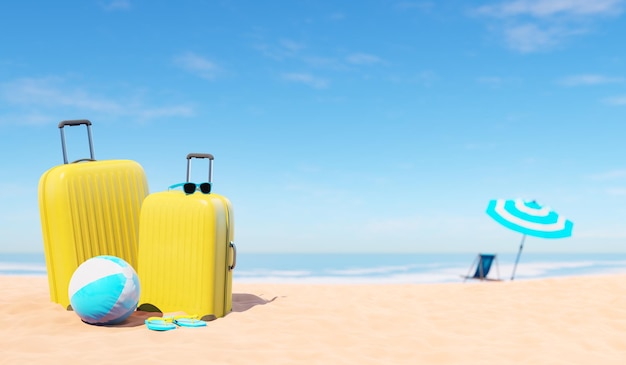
x=307, y=79
x=419, y=5
x=425, y=78
x=36, y=100
x=496, y=81
x=323, y=62
x=616, y=100
x=591, y=79
x=537, y=25
x=198, y=65
x=285, y=49
x=548, y=8
x=47, y=92
x=527, y=38
x=363, y=59
x=116, y=5
x=337, y=16
x=292, y=46
x=26, y=118
x=610, y=175
x=294, y=51
x=616, y=191
x=492, y=81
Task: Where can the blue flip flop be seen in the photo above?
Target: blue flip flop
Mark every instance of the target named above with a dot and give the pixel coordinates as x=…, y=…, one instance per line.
x=160, y=324
x=189, y=321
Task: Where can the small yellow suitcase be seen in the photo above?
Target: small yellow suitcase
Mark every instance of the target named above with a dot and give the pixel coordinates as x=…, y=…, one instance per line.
x=88, y=208
x=186, y=250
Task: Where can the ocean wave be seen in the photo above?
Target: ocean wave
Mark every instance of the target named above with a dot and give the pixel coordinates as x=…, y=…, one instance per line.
x=10, y=268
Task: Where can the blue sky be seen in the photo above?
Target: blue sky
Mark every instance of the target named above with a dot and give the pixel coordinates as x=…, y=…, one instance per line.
x=337, y=126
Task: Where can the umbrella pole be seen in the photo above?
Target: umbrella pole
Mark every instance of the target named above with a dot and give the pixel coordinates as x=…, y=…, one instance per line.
x=519, y=253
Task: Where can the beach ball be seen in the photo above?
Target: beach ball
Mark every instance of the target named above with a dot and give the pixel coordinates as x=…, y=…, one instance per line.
x=104, y=290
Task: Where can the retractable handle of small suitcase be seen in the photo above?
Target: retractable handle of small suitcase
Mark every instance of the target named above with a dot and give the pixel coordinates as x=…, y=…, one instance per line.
x=200, y=155
x=231, y=244
x=72, y=123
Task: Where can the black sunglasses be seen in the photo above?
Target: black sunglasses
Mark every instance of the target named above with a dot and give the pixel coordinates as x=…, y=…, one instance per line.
x=191, y=188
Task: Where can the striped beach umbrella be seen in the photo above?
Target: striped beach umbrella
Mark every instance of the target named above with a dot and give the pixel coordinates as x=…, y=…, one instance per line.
x=529, y=218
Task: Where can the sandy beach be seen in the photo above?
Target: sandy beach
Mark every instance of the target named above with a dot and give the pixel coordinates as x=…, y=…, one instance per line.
x=578, y=320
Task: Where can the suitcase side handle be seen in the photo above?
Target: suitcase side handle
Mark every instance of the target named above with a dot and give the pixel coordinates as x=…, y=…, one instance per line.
x=200, y=155
x=72, y=123
x=232, y=245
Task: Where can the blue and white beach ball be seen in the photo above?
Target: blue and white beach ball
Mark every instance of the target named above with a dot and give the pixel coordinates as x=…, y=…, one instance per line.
x=104, y=290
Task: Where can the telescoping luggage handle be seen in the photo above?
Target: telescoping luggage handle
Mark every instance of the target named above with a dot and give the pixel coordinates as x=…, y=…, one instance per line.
x=72, y=123
x=190, y=187
x=200, y=155
x=231, y=244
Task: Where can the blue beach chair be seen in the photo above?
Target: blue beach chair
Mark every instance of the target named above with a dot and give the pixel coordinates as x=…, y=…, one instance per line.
x=483, y=263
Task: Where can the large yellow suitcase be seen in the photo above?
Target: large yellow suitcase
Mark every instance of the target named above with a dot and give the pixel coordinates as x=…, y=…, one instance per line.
x=186, y=250
x=88, y=208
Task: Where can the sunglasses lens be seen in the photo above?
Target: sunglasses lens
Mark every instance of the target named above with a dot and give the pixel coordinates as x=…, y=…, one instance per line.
x=205, y=188
x=189, y=188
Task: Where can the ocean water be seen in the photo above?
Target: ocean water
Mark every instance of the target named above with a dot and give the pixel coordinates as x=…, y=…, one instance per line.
x=378, y=268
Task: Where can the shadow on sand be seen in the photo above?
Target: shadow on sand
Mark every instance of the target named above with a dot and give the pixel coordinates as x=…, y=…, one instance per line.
x=241, y=303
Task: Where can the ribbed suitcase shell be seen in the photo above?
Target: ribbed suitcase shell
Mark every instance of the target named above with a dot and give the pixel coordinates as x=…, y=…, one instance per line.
x=89, y=209
x=186, y=254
